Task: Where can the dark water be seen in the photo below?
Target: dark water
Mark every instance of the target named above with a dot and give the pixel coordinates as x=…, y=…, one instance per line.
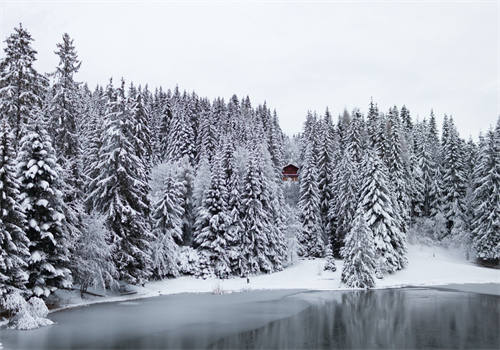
x=396, y=318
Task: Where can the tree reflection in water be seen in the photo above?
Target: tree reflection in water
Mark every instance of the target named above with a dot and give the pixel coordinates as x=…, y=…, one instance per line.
x=408, y=318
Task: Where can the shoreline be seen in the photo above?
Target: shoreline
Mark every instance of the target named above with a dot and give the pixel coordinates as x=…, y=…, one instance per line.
x=457, y=287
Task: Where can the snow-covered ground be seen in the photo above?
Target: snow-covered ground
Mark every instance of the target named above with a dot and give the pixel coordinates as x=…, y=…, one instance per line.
x=428, y=266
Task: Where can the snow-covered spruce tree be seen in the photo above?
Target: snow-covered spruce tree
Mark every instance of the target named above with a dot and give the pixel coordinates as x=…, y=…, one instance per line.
x=310, y=239
x=14, y=252
x=397, y=167
x=407, y=124
x=416, y=188
x=372, y=125
x=233, y=185
x=486, y=200
x=330, y=260
x=142, y=132
x=345, y=200
x=65, y=110
x=212, y=235
x=274, y=203
x=64, y=125
x=471, y=157
x=454, y=181
x=162, y=109
x=181, y=141
x=120, y=190
x=207, y=140
x=41, y=199
x=21, y=86
x=275, y=144
x=359, y=253
x=186, y=177
x=167, y=226
x=94, y=257
x=309, y=136
x=256, y=220
x=94, y=140
x=325, y=172
x=427, y=166
x=354, y=138
x=379, y=205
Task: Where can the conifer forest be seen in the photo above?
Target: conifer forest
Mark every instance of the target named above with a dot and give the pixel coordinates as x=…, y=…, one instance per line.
x=108, y=187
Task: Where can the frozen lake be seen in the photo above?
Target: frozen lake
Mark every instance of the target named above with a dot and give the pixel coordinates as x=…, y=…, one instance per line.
x=393, y=318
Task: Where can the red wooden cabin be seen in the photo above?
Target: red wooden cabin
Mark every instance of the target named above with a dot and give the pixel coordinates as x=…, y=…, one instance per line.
x=290, y=173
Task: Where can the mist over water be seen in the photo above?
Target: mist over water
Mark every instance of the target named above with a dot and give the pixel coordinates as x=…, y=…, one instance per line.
x=395, y=318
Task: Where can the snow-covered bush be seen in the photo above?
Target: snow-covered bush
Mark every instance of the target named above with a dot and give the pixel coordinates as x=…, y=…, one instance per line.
x=188, y=261
x=459, y=238
x=205, y=269
x=26, y=315
x=427, y=231
x=38, y=307
x=330, y=260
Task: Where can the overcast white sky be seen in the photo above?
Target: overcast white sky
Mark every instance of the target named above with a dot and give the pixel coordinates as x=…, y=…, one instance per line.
x=296, y=55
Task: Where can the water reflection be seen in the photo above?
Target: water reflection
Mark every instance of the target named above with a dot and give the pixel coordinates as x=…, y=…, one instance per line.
x=399, y=318
x=383, y=319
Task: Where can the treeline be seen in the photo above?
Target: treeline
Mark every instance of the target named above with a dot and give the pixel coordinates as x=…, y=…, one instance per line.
x=77, y=168
x=369, y=181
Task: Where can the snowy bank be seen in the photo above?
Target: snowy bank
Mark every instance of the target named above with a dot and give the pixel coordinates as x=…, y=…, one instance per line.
x=428, y=266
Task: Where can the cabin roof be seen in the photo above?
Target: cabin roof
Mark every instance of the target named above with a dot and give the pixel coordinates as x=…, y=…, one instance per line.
x=291, y=166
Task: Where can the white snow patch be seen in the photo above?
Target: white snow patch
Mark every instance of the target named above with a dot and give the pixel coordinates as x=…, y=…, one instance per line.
x=27, y=315
x=427, y=266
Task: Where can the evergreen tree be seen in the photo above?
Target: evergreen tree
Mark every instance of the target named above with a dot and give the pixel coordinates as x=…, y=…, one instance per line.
x=256, y=220
x=454, y=181
x=21, y=87
x=397, y=167
x=330, y=260
x=212, y=236
x=433, y=139
x=186, y=177
x=325, y=172
x=406, y=121
x=486, y=199
x=373, y=125
x=14, y=252
x=427, y=167
x=233, y=185
x=41, y=199
x=207, y=135
x=64, y=113
x=359, y=254
x=382, y=219
x=354, y=138
x=167, y=226
x=345, y=201
x=120, y=193
x=141, y=130
x=310, y=239
x=181, y=141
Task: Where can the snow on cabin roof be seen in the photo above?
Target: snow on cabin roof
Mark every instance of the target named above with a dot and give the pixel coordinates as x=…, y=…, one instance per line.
x=290, y=165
